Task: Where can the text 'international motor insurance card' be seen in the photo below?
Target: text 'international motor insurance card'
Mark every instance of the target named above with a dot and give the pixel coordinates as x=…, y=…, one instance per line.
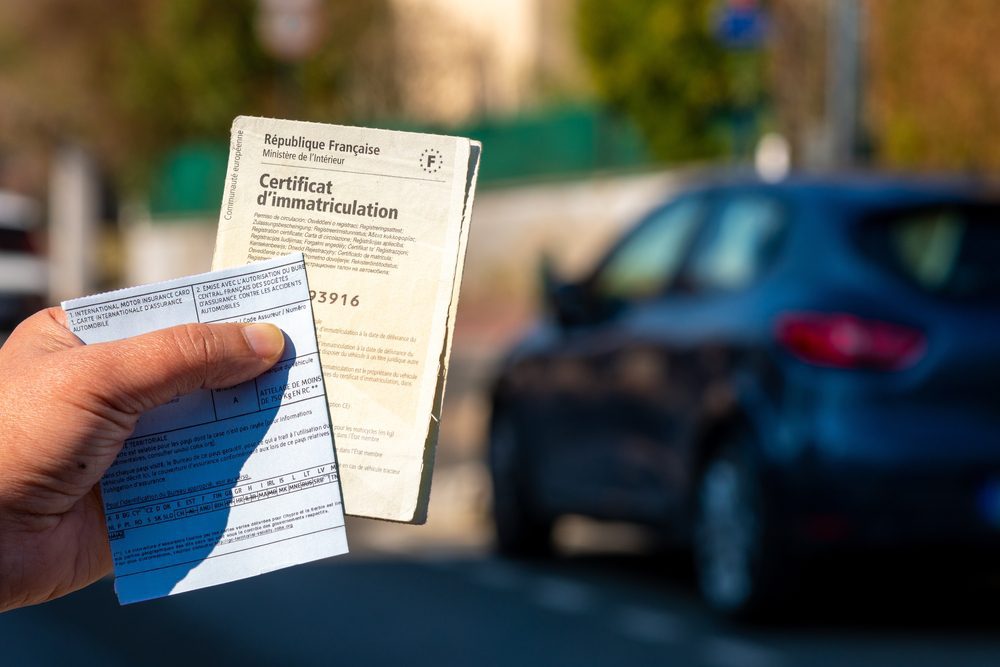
x=224, y=484
x=383, y=220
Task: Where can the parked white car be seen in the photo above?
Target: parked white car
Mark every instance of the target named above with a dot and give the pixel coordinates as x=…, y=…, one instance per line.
x=23, y=270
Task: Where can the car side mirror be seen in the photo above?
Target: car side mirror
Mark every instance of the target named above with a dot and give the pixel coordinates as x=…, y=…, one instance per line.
x=568, y=302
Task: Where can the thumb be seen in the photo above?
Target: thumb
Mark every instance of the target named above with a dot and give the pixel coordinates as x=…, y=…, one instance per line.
x=140, y=373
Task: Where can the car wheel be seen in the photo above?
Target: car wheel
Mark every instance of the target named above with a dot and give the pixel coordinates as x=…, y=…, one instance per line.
x=734, y=558
x=520, y=530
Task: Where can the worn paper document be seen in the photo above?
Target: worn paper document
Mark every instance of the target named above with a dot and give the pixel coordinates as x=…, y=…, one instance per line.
x=383, y=220
x=226, y=484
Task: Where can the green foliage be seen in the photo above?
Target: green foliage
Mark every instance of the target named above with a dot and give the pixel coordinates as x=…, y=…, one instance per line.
x=184, y=70
x=659, y=62
x=136, y=78
x=192, y=66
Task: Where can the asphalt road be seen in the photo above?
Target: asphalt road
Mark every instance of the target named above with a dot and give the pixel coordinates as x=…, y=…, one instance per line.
x=434, y=595
x=436, y=608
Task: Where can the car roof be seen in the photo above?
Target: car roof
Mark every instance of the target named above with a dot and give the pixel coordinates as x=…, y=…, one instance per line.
x=856, y=189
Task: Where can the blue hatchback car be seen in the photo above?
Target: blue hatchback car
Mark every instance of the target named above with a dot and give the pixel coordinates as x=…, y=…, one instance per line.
x=764, y=370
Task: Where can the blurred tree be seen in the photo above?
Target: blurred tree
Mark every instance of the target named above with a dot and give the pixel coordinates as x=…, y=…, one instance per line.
x=134, y=78
x=660, y=62
x=934, y=92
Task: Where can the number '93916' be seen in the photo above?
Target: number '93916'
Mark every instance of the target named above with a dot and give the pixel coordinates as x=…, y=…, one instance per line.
x=335, y=298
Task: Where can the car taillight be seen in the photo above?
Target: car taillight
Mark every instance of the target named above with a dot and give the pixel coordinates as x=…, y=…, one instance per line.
x=839, y=340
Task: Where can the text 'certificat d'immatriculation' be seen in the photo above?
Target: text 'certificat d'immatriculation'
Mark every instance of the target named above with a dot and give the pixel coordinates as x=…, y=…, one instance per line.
x=223, y=484
x=383, y=220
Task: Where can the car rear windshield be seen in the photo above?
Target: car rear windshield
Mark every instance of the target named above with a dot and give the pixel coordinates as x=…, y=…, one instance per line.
x=15, y=240
x=948, y=250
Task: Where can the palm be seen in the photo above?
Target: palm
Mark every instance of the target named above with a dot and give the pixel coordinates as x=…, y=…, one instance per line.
x=73, y=551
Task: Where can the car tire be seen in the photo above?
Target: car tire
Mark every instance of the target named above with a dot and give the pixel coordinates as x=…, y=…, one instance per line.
x=521, y=531
x=738, y=563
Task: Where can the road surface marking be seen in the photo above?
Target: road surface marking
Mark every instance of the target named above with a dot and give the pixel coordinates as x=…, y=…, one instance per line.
x=498, y=575
x=563, y=595
x=733, y=652
x=649, y=625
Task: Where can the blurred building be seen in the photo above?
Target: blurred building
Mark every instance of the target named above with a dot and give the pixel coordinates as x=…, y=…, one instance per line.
x=461, y=60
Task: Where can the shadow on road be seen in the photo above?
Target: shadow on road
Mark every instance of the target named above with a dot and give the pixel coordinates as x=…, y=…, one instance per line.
x=881, y=593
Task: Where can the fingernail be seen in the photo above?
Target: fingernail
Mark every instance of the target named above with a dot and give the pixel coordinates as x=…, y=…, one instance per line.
x=266, y=340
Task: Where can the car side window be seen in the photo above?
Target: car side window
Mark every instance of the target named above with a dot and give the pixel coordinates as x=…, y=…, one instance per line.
x=737, y=244
x=646, y=263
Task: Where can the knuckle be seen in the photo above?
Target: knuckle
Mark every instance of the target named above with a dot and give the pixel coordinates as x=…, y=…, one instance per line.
x=201, y=346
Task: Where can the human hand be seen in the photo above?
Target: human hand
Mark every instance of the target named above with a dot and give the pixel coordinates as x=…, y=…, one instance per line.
x=65, y=411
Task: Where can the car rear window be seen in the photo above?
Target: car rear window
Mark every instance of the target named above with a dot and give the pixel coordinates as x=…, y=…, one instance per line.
x=949, y=251
x=15, y=240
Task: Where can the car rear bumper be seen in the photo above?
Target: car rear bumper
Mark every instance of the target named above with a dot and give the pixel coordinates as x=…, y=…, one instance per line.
x=849, y=465
x=853, y=504
x=22, y=274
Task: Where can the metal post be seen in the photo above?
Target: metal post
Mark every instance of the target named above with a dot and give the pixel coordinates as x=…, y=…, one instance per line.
x=843, y=81
x=74, y=208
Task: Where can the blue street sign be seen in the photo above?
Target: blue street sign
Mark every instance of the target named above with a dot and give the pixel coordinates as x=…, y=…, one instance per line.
x=741, y=25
